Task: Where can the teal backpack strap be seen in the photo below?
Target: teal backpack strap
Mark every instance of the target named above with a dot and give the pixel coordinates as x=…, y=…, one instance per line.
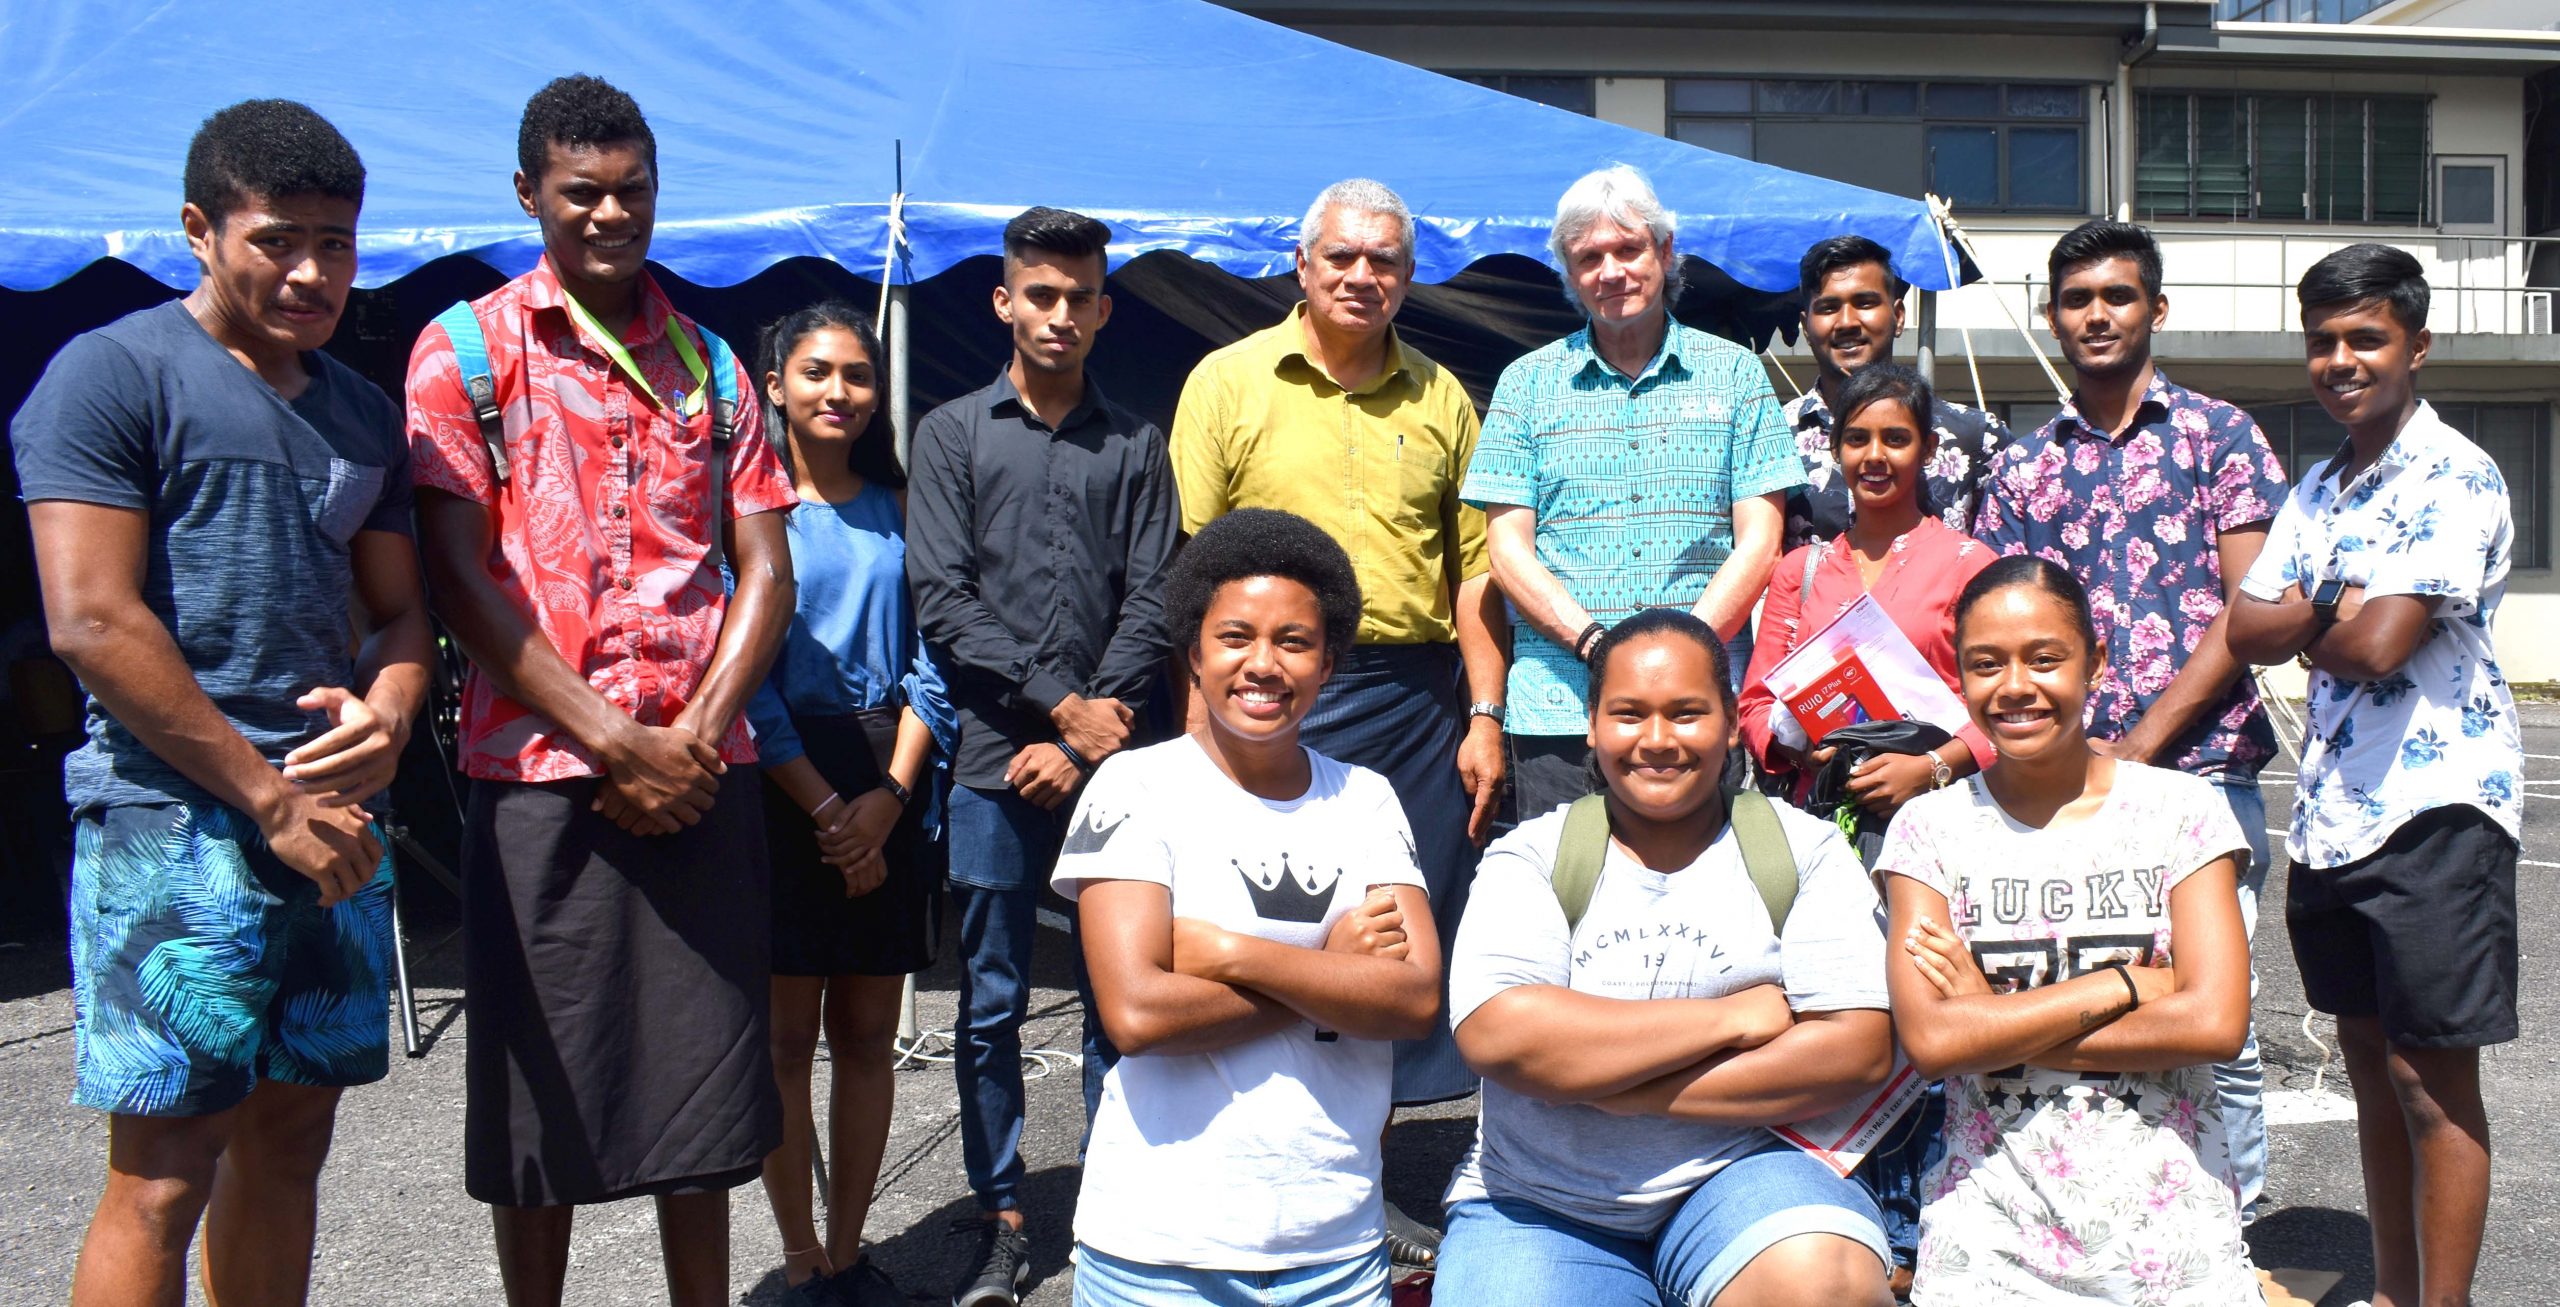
x=1579, y=853
x=1765, y=853
x=724, y=424
x=471, y=355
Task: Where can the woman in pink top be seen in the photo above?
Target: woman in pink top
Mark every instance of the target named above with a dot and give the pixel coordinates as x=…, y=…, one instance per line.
x=1897, y=551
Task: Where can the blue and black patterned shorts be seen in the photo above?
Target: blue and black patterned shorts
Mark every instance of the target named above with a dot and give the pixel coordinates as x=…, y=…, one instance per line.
x=200, y=963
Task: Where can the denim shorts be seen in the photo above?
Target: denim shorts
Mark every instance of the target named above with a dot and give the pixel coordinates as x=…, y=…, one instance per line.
x=1500, y=1251
x=201, y=964
x=1103, y=1280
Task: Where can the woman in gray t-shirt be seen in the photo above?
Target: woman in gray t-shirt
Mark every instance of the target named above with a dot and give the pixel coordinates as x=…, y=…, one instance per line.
x=1634, y=1058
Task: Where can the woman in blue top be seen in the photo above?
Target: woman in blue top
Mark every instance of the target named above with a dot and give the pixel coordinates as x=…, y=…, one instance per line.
x=846, y=726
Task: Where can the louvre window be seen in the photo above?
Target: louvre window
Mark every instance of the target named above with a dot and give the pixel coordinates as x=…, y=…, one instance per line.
x=2286, y=158
x=2013, y=147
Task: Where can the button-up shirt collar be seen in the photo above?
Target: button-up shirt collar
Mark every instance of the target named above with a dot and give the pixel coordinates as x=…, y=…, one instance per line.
x=1294, y=363
x=1663, y=368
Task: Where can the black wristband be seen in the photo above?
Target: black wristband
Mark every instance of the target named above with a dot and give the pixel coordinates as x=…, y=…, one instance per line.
x=1073, y=756
x=901, y=793
x=2131, y=991
x=1582, y=643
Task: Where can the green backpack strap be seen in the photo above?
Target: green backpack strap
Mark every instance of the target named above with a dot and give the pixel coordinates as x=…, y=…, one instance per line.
x=1584, y=846
x=1765, y=853
x=1579, y=853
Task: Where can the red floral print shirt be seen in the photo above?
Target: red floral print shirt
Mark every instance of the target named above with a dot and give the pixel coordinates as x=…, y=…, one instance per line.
x=602, y=529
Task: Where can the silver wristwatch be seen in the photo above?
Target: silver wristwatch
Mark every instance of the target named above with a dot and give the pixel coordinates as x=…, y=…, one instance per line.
x=1481, y=708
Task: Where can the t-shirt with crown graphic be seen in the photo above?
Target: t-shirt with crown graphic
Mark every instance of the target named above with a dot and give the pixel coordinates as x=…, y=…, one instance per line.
x=1261, y=1155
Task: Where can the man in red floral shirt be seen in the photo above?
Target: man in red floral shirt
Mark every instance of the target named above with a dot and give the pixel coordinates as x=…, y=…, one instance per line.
x=615, y=924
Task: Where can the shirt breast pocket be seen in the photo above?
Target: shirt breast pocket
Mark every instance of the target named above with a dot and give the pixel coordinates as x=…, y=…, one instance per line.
x=345, y=498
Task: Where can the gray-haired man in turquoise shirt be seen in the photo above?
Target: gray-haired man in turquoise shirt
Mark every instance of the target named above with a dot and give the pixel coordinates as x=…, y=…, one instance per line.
x=1636, y=463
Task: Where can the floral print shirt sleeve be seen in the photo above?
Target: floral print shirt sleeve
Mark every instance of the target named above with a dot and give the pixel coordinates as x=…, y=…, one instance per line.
x=2061, y=1186
x=2138, y=518
x=2430, y=517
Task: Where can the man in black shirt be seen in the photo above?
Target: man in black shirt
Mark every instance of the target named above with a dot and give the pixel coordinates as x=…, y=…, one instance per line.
x=1040, y=519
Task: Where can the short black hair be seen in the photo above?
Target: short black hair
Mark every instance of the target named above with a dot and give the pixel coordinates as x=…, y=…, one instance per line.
x=579, y=110
x=1831, y=255
x=1886, y=381
x=1660, y=621
x=2036, y=573
x=874, y=455
x=2099, y=239
x=268, y=149
x=1251, y=542
x=2368, y=271
x=1062, y=232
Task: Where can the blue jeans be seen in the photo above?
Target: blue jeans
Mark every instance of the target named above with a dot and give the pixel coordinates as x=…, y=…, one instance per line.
x=1103, y=1280
x=2242, y=1082
x=1002, y=850
x=1901, y=1160
x=1500, y=1251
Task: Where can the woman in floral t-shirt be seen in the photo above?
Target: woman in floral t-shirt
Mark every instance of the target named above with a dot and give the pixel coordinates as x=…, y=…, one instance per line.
x=2031, y=964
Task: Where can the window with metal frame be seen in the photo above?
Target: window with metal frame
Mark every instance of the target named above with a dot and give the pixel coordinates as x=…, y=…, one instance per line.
x=1989, y=147
x=2282, y=157
x=1575, y=94
x=2295, y=11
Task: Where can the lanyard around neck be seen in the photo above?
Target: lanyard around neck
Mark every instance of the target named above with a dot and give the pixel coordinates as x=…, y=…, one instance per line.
x=687, y=405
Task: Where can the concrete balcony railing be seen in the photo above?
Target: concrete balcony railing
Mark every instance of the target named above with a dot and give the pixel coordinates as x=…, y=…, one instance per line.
x=2242, y=278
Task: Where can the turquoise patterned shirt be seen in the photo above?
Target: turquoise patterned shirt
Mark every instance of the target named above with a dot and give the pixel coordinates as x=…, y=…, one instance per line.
x=1633, y=483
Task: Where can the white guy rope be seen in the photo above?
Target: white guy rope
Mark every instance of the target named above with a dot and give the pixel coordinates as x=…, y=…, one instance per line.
x=1947, y=222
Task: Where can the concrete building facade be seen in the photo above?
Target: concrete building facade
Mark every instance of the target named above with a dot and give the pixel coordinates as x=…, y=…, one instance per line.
x=2251, y=148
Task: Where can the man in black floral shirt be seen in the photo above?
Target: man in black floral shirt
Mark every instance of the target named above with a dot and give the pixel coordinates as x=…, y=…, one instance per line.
x=1852, y=313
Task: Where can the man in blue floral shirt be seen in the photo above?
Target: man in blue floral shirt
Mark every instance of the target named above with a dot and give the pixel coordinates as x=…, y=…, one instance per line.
x=2157, y=498
x=1852, y=314
x=2383, y=573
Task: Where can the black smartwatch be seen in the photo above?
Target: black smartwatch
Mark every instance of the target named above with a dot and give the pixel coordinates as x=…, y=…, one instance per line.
x=2324, y=601
x=901, y=793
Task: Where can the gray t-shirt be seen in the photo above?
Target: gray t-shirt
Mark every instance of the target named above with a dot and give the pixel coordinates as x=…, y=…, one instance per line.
x=1700, y=932
x=252, y=502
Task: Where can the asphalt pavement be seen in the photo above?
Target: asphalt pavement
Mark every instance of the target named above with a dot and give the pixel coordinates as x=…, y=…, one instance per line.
x=397, y=1228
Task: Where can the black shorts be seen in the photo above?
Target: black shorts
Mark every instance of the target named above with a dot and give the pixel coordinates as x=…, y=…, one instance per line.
x=817, y=931
x=2420, y=933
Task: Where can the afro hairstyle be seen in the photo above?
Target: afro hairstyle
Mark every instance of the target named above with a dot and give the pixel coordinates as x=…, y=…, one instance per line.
x=1252, y=542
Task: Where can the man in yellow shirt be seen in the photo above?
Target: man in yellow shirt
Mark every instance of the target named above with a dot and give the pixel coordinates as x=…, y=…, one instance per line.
x=1330, y=416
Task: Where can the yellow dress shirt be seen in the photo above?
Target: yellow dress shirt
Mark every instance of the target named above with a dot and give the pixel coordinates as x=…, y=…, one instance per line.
x=1378, y=468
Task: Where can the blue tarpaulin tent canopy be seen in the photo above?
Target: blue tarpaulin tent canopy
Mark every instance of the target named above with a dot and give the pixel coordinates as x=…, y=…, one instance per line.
x=1189, y=127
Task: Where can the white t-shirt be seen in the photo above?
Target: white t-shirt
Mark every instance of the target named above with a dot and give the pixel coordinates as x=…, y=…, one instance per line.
x=1700, y=932
x=2064, y=1186
x=1262, y=1155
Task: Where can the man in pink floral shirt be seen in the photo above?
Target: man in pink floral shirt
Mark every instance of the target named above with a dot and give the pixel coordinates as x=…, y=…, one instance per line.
x=616, y=929
x=2157, y=499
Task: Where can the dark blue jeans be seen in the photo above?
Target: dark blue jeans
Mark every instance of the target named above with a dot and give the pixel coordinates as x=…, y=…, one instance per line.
x=1893, y=1172
x=1003, y=848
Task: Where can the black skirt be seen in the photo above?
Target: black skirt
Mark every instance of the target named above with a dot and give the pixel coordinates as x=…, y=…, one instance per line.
x=617, y=990
x=817, y=930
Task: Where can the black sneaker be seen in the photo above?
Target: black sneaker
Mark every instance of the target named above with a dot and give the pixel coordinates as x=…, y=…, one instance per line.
x=864, y=1284
x=997, y=1272
x=1411, y=1244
